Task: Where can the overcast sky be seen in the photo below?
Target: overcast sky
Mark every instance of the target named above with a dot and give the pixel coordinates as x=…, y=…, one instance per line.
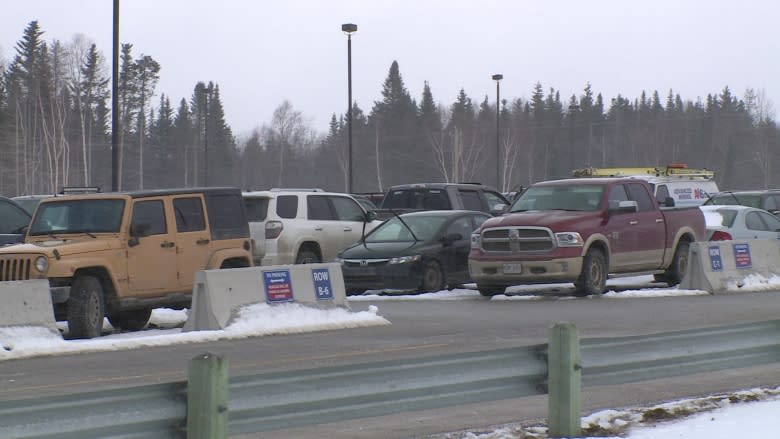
x=263, y=52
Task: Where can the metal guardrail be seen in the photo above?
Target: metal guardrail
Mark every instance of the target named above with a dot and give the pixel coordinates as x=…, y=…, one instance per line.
x=291, y=399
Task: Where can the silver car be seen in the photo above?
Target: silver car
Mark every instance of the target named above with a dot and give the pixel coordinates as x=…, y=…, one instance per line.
x=725, y=223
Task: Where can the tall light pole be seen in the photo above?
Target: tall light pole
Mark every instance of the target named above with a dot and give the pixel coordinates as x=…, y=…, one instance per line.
x=348, y=28
x=498, y=77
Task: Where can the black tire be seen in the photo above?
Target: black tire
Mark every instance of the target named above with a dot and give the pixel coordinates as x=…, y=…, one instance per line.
x=490, y=290
x=130, y=320
x=86, y=308
x=593, y=279
x=306, y=256
x=674, y=274
x=433, y=279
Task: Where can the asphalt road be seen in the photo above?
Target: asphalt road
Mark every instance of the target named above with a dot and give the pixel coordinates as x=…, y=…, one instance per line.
x=419, y=329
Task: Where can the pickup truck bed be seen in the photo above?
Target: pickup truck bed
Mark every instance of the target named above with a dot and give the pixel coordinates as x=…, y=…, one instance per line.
x=581, y=231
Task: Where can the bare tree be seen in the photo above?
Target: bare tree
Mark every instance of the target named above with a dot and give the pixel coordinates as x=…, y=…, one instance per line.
x=288, y=131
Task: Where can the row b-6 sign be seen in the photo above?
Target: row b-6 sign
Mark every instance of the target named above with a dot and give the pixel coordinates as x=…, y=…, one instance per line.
x=279, y=285
x=741, y=257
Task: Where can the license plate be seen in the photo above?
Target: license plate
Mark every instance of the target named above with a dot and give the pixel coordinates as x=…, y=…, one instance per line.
x=512, y=268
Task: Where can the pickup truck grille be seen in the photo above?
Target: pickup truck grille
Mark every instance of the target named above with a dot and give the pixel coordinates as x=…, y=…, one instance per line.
x=517, y=240
x=15, y=268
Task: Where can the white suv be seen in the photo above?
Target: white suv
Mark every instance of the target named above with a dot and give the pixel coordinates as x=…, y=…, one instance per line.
x=303, y=226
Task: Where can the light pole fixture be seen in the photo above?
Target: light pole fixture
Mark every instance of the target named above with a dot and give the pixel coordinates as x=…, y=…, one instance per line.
x=348, y=28
x=498, y=77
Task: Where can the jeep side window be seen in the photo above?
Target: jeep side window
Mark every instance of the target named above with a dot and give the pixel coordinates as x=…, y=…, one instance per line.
x=287, y=206
x=318, y=208
x=346, y=209
x=149, y=218
x=189, y=214
x=470, y=200
x=639, y=194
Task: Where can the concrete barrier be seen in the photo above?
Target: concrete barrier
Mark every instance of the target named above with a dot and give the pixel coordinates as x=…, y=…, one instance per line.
x=723, y=266
x=27, y=303
x=217, y=295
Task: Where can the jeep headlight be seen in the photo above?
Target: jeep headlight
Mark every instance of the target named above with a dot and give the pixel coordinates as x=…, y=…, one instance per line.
x=569, y=239
x=41, y=263
x=404, y=259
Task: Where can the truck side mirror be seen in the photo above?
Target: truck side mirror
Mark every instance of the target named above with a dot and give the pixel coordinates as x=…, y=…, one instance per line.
x=629, y=206
x=668, y=202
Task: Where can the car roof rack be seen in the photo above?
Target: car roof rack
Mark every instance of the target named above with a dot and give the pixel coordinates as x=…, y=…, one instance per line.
x=69, y=190
x=289, y=189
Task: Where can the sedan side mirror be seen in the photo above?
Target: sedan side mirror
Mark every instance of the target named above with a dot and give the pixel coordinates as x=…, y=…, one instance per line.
x=370, y=216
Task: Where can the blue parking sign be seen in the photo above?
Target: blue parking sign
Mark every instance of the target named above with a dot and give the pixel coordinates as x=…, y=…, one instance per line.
x=322, y=287
x=716, y=263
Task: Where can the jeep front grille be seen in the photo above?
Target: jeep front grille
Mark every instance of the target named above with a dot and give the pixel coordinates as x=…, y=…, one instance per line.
x=15, y=268
x=517, y=240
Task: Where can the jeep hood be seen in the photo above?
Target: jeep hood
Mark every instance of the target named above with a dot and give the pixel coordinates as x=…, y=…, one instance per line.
x=64, y=247
x=556, y=220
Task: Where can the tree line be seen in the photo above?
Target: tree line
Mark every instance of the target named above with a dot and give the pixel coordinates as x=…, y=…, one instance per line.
x=55, y=132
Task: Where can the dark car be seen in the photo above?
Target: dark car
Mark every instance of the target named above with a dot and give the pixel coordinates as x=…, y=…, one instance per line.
x=768, y=200
x=13, y=220
x=444, y=196
x=420, y=251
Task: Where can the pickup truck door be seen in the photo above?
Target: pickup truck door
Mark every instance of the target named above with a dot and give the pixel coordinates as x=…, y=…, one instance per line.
x=647, y=229
x=637, y=238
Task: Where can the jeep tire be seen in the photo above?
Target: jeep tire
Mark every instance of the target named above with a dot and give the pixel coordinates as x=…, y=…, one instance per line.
x=86, y=307
x=130, y=320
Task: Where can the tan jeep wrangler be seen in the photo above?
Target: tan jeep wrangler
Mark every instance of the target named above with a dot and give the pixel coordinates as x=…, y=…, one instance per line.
x=120, y=255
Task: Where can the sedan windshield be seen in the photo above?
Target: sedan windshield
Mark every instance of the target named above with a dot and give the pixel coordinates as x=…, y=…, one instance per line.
x=78, y=216
x=423, y=227
x=565, y=197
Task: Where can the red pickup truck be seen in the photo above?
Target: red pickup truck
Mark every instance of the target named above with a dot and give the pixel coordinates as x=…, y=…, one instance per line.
x=582, y=230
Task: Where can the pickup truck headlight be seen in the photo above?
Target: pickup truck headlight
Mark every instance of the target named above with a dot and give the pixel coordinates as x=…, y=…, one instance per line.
x=41, y=263
x=476, y=240
x=404, y=259
x=569, y=239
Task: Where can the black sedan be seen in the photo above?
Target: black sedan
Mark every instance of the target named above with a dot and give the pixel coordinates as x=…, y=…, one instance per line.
x=420, y=251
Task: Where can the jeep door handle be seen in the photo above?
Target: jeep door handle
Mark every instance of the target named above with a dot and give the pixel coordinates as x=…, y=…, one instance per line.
x=167, y=244
x=202, y=241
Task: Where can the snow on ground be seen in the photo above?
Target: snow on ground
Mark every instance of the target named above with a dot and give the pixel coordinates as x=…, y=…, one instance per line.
x=746, y=414
x=165, y=329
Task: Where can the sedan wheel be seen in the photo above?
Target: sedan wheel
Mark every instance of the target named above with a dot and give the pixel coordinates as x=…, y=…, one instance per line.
x=433, y=277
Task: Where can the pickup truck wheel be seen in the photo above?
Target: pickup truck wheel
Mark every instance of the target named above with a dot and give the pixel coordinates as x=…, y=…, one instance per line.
x=130, y=320
x=307, y=257
x=593, y=279
x=433, y=277
x=86, y=308
x=674, y=274
x=490, y=290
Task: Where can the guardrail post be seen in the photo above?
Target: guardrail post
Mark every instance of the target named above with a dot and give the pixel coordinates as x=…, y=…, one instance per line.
x=564, y=381
x=207, y=397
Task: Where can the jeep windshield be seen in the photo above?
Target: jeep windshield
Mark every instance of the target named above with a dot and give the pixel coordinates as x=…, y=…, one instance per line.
x=78, y=216
x=563, y=197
